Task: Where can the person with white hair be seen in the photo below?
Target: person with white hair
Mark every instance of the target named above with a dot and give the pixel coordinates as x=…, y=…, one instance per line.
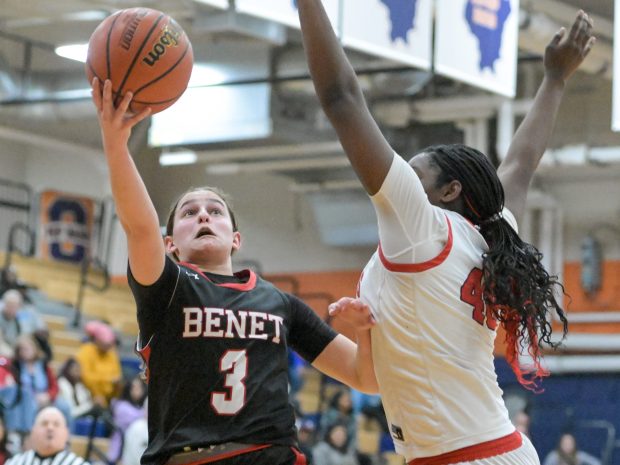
x=17, y=319
x=48, y=442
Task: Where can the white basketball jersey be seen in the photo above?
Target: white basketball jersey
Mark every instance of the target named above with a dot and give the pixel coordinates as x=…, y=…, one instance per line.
x=433, y=343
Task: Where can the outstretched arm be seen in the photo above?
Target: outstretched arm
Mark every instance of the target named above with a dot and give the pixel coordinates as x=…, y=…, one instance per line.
x=133, y=204
x=341, y=97
x=342, y=359
x=563, y=56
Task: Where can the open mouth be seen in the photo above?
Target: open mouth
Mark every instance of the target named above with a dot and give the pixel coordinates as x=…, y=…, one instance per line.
x=204, y=232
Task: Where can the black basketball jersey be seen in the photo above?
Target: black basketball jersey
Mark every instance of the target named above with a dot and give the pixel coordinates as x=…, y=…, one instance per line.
x=216, y=354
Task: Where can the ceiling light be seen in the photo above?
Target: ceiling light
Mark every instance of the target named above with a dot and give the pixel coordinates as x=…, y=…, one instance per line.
x=207, y=75
x=181, y=157
x=77, y=52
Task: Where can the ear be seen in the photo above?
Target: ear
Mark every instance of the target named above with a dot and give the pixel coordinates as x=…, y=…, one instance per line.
x=171, y=248
x=451, y=191
x=236, y=241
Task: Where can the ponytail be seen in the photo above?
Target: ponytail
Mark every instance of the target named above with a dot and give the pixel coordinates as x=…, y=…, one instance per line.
x=516, y=286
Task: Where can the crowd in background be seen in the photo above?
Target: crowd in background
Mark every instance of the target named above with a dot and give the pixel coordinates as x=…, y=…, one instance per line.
x=90, y=386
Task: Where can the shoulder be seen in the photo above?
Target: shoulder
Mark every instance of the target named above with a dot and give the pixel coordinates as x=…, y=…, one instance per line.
x=24, y=457
x=27, y=314
x=400, y=176
x=85, y=349
x=551, y=458
x=122, y=406
x=70, y=458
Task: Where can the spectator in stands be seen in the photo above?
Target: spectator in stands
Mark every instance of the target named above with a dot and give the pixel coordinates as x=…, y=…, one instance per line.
x=5, y=454
x=136, y=439
x=9, y=280
x=335, y=448
x=48, y=442
x=567, y=453
x=340, y=410
x=99, y=362
x=370, y=406
x=128, y=408
x=35, y=387
x=17, y=319
x=521, y=421
x=73, y=391
x=306, y=437
x=6, y=349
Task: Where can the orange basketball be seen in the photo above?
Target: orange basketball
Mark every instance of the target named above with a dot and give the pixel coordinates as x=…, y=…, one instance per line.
x=142, y=51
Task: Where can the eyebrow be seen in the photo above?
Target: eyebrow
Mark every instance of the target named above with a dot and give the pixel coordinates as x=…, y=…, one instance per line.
x=187, y=202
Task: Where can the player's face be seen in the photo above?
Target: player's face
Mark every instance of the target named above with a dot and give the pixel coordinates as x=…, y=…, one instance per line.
x=203, y=229
x=428, y=175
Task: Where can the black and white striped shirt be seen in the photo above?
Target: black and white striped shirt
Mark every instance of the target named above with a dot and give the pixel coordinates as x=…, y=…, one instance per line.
x=65, y=457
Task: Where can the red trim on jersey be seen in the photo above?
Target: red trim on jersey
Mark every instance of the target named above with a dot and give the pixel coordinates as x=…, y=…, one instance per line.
x=300, y=459
x=145, y=354
x=227, y=455
x=417, y=267
x=247, y=286
x=476, y=452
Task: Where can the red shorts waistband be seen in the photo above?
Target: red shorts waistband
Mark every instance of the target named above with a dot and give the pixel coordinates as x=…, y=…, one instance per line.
x=476, y=452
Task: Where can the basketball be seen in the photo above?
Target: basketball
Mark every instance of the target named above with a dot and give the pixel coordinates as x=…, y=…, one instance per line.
x=143, y=51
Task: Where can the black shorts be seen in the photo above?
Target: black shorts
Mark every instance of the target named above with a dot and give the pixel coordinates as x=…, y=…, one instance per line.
x=273, y=455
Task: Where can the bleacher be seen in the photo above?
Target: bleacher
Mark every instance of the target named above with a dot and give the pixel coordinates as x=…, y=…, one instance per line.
x=60, y=283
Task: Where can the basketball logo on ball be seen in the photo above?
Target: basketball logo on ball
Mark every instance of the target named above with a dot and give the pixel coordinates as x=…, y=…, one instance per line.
x=143, y=51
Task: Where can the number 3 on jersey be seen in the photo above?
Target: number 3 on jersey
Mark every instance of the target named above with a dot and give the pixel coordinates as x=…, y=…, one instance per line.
x=472, y=293
x=235, y=364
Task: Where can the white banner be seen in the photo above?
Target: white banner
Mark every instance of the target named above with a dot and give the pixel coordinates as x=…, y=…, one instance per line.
x=615, y=118
x=476, y=41
x=395, y=29
x=283, y=11
x=216, y=3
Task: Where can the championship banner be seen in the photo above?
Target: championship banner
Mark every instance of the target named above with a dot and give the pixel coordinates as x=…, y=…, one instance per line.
x=65, y=226
x=615, y=118
x=395, y=29
x=476, y=41
x=283, y=11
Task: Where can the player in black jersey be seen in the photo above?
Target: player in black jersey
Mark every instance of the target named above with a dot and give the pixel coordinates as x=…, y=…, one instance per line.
x=215, y=342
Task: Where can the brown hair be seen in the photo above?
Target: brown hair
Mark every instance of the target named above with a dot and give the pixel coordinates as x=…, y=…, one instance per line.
x=215, y=190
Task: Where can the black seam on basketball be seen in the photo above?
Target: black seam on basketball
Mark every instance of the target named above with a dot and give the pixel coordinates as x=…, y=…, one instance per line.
x=144, y=102
x=107, y=47
x=137, y=54
x=165, y=73
x=92, y=70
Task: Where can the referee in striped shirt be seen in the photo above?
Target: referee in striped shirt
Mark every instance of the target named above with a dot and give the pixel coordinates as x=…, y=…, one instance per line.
x=48, y=442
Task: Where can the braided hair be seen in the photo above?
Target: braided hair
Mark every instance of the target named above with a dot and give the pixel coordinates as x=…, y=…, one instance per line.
x=516, y=287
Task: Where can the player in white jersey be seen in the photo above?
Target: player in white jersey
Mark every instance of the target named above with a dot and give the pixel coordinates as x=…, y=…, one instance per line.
x=450, y=265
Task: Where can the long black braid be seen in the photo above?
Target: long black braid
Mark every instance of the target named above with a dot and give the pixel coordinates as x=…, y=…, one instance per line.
x=516, y=285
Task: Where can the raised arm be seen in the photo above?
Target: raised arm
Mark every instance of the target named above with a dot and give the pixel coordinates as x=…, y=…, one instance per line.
x=563, y=56
x=133, y=204
x=341, y=97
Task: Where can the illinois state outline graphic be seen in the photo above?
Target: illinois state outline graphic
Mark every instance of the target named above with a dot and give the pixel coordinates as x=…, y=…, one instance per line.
x=402, y=17
x=486, y=19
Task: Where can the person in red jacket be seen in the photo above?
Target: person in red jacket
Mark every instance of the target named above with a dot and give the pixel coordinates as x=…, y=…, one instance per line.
x=35, y=387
